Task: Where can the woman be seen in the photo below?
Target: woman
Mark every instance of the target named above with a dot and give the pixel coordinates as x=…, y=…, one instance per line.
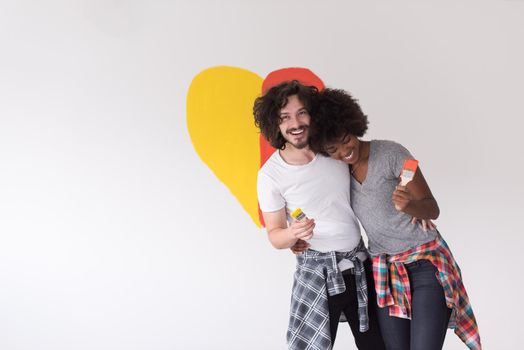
x=419, y=286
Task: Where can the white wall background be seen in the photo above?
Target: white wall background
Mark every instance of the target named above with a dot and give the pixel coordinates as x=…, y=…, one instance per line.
x=113, y=233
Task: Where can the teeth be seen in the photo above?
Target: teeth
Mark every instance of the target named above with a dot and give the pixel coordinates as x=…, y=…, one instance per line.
x=297, y=132
x=349, y=156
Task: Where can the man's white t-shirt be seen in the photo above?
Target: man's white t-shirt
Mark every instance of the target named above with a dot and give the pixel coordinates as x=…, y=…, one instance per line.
x=321, y=189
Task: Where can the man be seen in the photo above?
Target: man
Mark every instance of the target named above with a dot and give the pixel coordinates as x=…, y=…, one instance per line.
x=334, y=275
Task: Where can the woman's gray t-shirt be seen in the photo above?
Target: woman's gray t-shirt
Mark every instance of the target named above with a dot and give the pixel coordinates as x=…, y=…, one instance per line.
x=389, y=230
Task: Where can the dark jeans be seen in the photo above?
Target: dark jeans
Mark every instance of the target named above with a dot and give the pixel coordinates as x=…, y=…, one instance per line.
x=347, y=302
x=429, y=314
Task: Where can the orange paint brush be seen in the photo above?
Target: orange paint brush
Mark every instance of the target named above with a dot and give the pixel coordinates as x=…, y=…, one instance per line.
x=408, y=171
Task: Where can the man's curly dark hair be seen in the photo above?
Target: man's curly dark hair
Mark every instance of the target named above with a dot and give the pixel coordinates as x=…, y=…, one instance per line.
x=266, y=109
x=336, y=114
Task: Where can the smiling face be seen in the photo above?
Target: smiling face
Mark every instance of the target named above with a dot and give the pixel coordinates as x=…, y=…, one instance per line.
x=294, y=122
x=346, y=149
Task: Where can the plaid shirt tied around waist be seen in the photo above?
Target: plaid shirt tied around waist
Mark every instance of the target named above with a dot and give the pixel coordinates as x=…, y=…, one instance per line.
x=317, y=276
x=390, y=270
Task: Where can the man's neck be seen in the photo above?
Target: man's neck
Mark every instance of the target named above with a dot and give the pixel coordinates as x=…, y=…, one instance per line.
x=295, y=156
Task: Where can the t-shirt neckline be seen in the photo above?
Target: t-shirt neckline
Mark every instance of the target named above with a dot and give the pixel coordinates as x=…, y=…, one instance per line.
x=295, y=166
x=371, y=159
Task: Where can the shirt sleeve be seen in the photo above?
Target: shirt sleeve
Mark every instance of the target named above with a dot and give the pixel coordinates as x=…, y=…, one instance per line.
x=397, y=155
x=269, y=197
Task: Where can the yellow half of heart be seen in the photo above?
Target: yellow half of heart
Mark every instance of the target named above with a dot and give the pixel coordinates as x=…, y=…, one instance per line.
x=221, y=126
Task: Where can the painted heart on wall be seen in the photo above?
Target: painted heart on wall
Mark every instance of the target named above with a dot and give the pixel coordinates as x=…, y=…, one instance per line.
x=221, y=126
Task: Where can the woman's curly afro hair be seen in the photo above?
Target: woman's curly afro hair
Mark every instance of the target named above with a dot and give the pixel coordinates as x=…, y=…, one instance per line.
x=336, y=114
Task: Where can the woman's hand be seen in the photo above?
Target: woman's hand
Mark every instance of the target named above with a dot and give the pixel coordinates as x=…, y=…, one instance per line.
x=425, y=223
x=415, y=198
x=300, y=247
x=401, y=197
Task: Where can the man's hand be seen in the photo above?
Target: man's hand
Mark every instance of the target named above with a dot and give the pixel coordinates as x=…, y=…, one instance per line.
x=283, y=235
x=300, y=247
x=302, y=229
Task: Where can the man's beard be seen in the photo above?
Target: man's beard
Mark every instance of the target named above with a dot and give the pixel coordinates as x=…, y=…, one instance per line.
x=300, y=144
